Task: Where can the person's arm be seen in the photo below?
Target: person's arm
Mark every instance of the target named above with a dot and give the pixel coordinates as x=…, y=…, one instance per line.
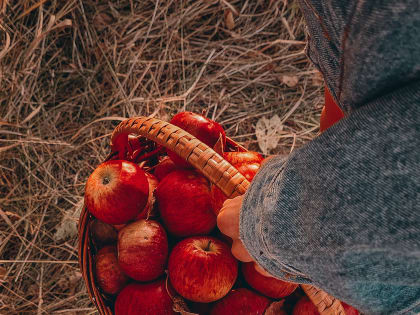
x=342, y=212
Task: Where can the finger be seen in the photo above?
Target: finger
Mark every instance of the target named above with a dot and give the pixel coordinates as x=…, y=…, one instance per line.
x=239, y=251
x=235, y=202
x=228, y=218
x=262, y=271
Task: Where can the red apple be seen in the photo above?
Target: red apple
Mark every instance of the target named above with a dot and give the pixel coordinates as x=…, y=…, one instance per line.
x=305, y=307
x=248, y=170
x=148, y=209
x=134, y=147
x=143, y=250
x=120, y=145
x=202, y=269
x=247, y=163
x=164, y=168
x=145, y=299
x=247, y=157
x=109, y=275
x=218, y=197
x=102, y=233
x=129, y=146
x=184, y=203
x=276, y=308
x=241, y=302
x=204, y=129
x=271, y=287
x=116, y=192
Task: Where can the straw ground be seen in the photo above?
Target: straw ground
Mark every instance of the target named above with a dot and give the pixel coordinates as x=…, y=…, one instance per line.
x=71, y=70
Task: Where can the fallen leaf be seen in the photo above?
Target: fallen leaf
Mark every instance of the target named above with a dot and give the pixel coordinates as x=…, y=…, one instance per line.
x=229, y=21
x=267, y=132
x=74, y=281
x=69, y=281
x=68, y=225
x=290, y=81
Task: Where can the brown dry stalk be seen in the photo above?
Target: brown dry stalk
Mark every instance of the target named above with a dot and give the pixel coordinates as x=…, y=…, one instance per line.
x=70, y=71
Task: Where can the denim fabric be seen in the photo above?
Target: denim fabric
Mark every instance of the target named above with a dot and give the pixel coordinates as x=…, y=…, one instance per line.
x=343, y=211
x=364, y=48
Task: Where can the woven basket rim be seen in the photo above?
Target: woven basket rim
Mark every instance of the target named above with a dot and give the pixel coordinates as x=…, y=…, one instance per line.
x=203, y=158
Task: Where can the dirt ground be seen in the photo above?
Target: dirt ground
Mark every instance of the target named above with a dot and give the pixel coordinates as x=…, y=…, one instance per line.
x=70, y=71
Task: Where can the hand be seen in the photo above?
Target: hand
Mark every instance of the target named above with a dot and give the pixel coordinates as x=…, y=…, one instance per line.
x=228, y=223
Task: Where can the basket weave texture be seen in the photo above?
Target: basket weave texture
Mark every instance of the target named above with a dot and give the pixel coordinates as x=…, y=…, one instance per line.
x=217, y=170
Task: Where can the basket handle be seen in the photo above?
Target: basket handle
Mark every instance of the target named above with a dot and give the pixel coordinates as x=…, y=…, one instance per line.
x=202, y=157
x=216, y=169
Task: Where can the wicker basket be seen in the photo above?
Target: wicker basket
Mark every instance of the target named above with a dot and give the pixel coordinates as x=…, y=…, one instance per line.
x=212, y=166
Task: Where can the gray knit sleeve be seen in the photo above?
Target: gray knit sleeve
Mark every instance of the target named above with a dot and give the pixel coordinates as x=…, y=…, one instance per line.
x=343, y=211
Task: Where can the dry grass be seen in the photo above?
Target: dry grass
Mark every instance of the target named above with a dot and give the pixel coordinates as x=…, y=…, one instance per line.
x=71, y=70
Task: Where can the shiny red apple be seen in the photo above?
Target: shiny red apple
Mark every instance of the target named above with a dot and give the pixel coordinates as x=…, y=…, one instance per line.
x=305, y=307
x=218, y=197
x=241, y=302
x=248, y=157
x=103, y=233
x=202, y=269
x=164, y=167
x=184, y=203
x=204, y=129
x=248, y=170
x=247, y=163
x=144, y=299
x=116, y=192
x=120, y=145
x=109, y=275
x=276, y=308
x=143, y=250
x=129, y=146
x=271, y=287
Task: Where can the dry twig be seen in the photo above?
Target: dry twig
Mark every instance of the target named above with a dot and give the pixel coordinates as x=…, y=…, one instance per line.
x=71, y=70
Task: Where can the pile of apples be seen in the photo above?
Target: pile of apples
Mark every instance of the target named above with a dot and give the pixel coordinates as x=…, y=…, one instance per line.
x=156, y=235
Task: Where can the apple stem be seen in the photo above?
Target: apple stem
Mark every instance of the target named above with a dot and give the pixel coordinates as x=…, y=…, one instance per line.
x=207, y=247
x=105, y=181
